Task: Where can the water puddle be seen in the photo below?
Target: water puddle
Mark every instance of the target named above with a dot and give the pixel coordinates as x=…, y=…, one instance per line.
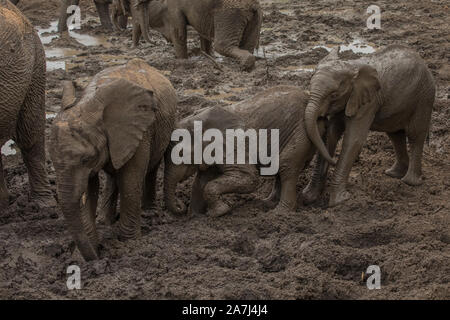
x=56, y=56
x=275, y=50
x=357, y=46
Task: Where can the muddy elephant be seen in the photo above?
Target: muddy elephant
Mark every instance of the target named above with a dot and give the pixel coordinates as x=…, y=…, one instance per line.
x=102, y=9
x=233, y=25
x=22, y=100
x=121, y=125
x=281, y=108
x=390, y=91
x=120, y=11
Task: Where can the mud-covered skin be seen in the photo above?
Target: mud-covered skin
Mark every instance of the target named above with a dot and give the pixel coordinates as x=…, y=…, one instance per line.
x=122, y=125
x=22, y=100
x=391, y=91
x=281, y=108
x=102, y=9
x=234, y=26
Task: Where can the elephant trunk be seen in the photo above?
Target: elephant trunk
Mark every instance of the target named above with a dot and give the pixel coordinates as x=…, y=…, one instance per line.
x=78, y=203
x=172, y=175
x=312, y=113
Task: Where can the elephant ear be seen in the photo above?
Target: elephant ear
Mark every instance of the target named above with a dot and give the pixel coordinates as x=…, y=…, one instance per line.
x=365, y=88
x=129, y=110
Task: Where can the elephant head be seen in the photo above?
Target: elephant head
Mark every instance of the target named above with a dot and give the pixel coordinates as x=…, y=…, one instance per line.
x=338, y=87
x=103, y=128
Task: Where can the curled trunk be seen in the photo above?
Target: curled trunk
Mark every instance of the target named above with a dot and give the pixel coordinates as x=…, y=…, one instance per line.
x=171, y=179
x=79, y=212
x=311, y=116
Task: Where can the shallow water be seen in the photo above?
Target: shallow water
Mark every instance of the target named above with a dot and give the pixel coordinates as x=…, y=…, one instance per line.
x=56, y=56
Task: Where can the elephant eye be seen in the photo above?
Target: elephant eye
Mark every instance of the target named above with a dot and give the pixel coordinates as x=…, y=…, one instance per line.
x=334, y=95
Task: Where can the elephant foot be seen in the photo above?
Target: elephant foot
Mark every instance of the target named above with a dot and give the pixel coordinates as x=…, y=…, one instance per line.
x=397, y=171
x=45, y=201
x=338, y=197
x=127, y=235
x=282, y=207
x=412, y=179
x=248, y=63
x=311, y=193
x=220, y=209
x=269, y=203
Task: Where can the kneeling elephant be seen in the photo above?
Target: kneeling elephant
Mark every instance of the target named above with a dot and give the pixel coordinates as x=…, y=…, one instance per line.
x=279, y=108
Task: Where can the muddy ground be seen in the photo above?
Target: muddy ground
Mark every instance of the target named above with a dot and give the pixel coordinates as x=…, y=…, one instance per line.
x=313, y=253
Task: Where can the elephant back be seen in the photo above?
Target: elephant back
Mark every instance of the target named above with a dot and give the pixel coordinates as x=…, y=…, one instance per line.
x=280, y=107
x=12, y=19
x=239, y=4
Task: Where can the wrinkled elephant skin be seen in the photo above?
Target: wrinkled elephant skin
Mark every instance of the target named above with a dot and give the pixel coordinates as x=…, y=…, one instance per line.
x=22, y=100
x=122, y=124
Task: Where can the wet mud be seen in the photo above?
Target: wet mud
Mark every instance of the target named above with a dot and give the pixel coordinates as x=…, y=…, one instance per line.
x=313, y=253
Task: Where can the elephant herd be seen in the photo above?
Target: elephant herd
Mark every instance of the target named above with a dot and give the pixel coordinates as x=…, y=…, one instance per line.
x=123, y=121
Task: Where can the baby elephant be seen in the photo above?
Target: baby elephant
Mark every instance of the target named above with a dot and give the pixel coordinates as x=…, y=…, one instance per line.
x=234, y=25
x=279, y=108
x=122, y=124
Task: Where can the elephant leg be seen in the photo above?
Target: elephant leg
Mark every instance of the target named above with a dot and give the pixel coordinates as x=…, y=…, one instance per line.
x=108, y=206
x=231, y=181
x=198, y=203
x=229, y=26
x=416, y=141
x=206, y=45
x=250, y=38
x=400, y=166
x=103, y=12
x=131, y=184
x=274, y=195
x=316, y=185
x=34, y=159
x=4, y=195
x=137, y=32
x=355, y=136
x=149, y=195
x=178, y=34
x=30, y=134
x=63, y=15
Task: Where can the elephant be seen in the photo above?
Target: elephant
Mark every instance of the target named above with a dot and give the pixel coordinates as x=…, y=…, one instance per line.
x=121, y=125
x=233, y=25
x=22, y=101
x=281, y=107
x=102, y=9
x=390, y=91
x=120, y=11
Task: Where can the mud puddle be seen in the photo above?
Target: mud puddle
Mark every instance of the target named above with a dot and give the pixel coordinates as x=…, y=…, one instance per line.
x=57, y=56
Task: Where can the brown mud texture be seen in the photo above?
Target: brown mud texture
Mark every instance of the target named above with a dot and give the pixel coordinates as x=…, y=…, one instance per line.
x=313, y=253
